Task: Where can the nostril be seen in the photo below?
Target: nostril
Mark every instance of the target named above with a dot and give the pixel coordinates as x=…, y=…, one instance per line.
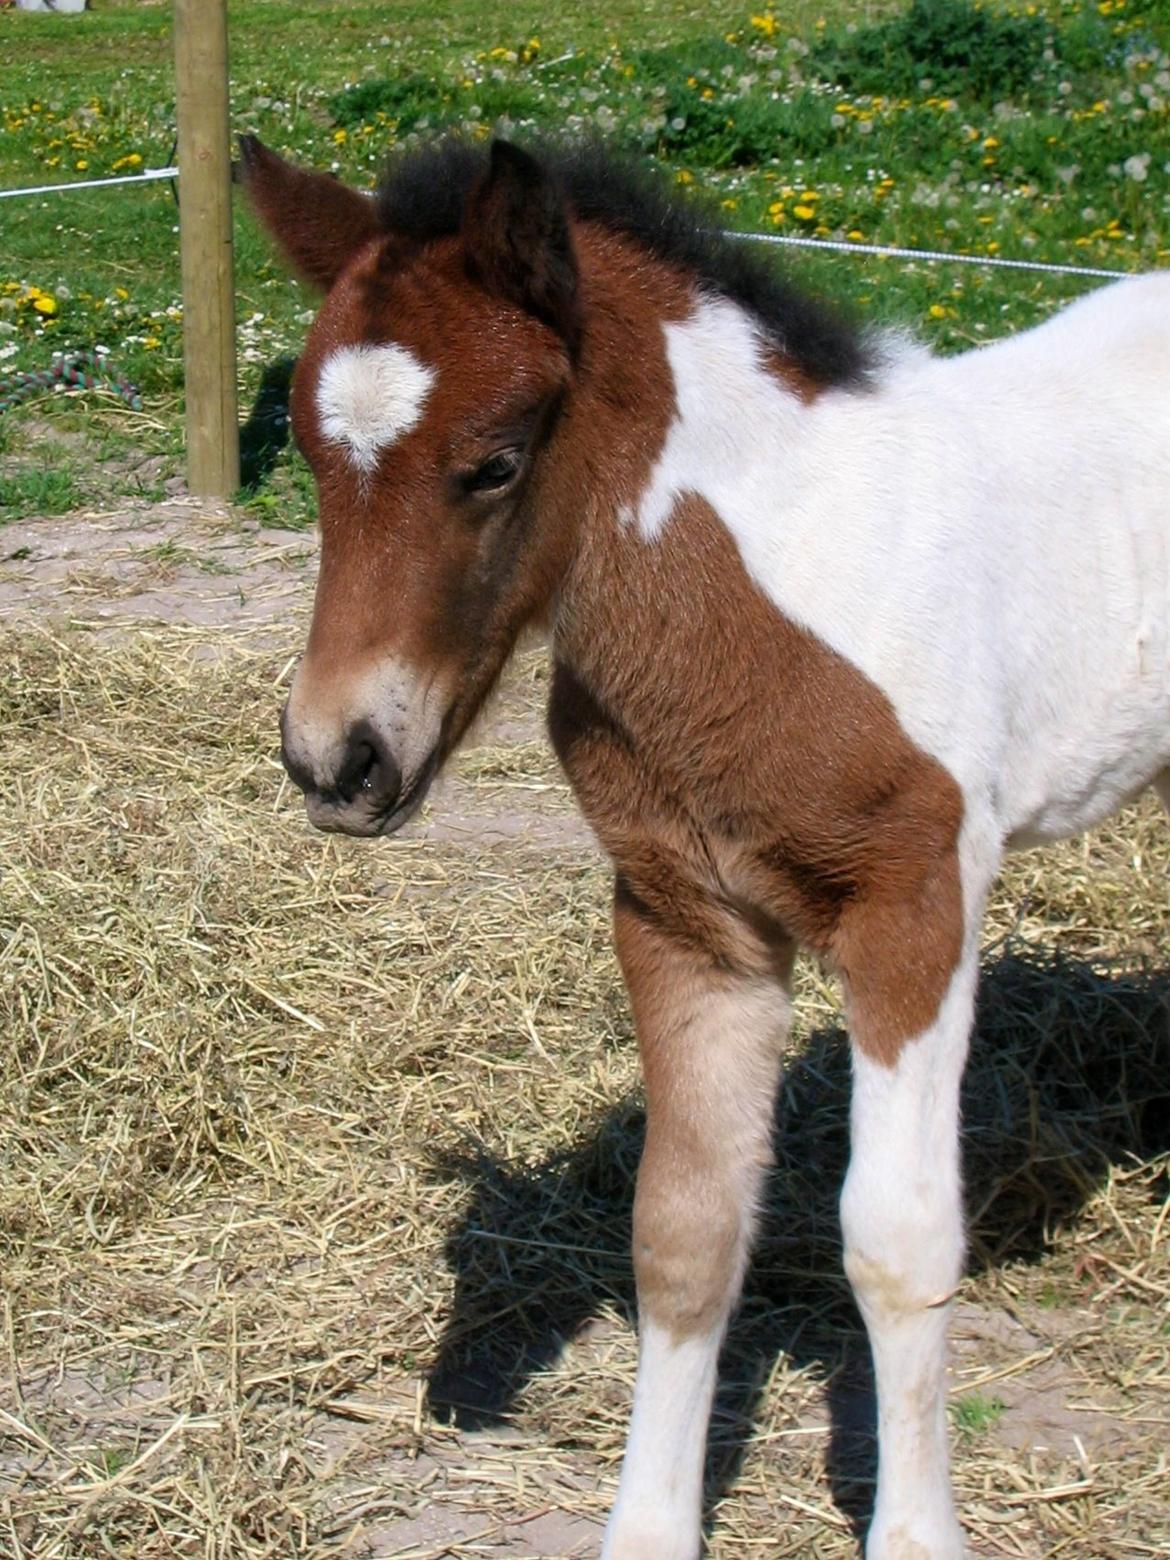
x=368, y=770
x=357, y=769
x=371, y=767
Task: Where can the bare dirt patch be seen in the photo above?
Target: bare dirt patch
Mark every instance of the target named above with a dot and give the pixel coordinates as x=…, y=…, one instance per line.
x=180, y=562
x=317, y=1155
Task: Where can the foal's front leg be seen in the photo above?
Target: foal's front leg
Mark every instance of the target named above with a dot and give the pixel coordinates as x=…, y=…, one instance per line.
x=710, y=1042
x=901, y=1211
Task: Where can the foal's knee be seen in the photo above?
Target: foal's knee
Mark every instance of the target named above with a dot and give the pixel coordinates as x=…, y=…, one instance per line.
x=903, y=1254
x=689, y=1253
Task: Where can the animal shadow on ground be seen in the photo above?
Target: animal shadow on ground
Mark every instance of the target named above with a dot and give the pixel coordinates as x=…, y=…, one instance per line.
x=266, y=432
x=1070, y=1073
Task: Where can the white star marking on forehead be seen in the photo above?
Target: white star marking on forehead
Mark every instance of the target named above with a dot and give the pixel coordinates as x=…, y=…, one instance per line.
x=369, y=396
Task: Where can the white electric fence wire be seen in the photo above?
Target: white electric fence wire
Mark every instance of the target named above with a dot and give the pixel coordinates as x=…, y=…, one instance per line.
x=94, y=184
x=894, y=253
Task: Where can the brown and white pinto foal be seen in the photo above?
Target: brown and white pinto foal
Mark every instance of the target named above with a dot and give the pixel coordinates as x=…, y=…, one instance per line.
x=833, y=625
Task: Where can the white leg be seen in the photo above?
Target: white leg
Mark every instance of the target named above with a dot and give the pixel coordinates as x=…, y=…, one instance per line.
x=710, y=1046
x=901, y=1213
x=658, y=1511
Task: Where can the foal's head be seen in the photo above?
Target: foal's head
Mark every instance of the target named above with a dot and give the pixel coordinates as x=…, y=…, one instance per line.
x=428, y=392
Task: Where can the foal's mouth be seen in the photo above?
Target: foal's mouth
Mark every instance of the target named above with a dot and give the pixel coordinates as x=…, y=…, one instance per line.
x=412, y=796
x=359, y=819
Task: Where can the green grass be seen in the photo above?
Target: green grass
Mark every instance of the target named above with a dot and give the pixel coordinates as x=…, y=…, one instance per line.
x=974, y=1415
x=50, y=491
x=1033, y=129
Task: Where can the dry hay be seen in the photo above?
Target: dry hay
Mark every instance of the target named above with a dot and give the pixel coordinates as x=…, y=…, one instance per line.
x=317, y=1162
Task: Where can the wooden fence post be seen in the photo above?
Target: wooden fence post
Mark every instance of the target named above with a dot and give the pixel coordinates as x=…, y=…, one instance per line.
x=205, y=243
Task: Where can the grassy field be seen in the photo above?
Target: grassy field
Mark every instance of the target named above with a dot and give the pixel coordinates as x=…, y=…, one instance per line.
x=1039, y=132
x=315, y=1155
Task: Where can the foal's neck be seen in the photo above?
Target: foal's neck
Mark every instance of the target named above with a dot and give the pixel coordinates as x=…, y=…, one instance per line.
x=679, y=579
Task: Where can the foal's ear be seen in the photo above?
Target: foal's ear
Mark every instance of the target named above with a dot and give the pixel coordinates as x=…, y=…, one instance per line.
x=516, y=234
x=319, y=224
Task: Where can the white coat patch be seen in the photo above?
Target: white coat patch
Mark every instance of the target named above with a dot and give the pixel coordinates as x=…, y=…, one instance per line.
x=369, y=396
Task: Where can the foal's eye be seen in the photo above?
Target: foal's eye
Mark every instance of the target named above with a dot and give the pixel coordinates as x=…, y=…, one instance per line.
x=496, y=473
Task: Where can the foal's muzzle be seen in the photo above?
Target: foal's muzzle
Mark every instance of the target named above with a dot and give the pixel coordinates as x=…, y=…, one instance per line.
x=361, y=794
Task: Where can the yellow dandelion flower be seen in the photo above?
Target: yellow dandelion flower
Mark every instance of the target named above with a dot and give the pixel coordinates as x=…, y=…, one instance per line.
x=45, y=304
x=805, y=213
x=937, y=312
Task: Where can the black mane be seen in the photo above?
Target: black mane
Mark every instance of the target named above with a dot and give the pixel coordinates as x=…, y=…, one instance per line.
x=423, y=194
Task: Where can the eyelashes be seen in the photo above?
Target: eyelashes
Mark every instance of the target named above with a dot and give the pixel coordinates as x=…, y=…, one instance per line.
x=496, y=473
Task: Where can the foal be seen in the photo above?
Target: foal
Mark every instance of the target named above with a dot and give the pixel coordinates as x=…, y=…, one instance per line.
x=833, y=625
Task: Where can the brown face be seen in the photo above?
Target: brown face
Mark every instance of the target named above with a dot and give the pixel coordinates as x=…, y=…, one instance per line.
x=425, y=403
x=423, y=408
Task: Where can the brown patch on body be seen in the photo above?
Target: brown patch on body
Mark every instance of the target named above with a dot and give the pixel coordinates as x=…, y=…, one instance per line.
x=751, y=785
